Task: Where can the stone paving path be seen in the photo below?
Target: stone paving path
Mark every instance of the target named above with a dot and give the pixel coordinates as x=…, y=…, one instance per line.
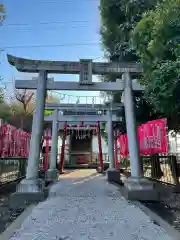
x=82, y=205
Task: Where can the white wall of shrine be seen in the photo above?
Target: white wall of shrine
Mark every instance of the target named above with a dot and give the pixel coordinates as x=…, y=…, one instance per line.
x=95, y=147
x=174, y=143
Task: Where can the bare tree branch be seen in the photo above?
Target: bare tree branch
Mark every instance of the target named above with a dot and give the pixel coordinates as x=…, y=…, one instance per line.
x=25, y=97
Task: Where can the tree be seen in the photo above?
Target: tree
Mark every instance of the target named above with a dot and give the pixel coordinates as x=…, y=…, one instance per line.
x=118, y=20
x=156, y=38
x=18, y=110
x=2, y=17
x=5, y=111
x=1, y=95
x=22, y=107
x=2, y=13
x=26, y=98
x=26, y=103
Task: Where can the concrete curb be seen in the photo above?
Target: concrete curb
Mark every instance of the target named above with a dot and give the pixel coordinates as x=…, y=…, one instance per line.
x=156, y=219
x=7, y=234
x=172, y=232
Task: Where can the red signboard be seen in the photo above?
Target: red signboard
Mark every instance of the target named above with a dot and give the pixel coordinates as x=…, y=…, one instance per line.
x=13, y=142
x=123, y=142
x=152, y=138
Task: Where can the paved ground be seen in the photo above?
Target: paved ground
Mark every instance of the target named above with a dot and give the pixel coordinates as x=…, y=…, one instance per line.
x=82, y=205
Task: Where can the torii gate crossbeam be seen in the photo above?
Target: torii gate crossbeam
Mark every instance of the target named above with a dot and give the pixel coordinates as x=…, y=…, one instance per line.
x=80, y=107
x=72, y=67
x=82, y=118
x=69, y=86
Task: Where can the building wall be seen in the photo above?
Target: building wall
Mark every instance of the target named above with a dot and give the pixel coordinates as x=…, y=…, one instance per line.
x=174, y=143
x=95, y=147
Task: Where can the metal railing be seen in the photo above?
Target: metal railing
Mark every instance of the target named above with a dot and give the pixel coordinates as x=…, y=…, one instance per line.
x=12, y=169
x=162, y=168
x=124, y=164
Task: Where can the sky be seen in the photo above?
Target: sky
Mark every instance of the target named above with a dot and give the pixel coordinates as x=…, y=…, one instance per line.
x=50, y=30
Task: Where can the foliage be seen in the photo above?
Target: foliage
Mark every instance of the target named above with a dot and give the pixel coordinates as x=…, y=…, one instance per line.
x=19, y=112
x=118, y=20
x=13, y=114
x=48, y=112
x=5, y=111
x=2, y=17
x=2, y=13
x=1, y=95
x=156, y=39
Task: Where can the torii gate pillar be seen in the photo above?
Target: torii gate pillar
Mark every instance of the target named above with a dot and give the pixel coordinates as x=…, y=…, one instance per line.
x=52, y=173
x=32, y=185
x=136, y=186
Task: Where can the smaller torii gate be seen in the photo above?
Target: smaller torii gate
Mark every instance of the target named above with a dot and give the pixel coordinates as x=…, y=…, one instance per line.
x=106, y=116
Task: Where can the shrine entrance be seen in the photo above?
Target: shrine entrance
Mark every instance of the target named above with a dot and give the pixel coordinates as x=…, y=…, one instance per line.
x=81, y=138
x=80, y=148
x=136, y=185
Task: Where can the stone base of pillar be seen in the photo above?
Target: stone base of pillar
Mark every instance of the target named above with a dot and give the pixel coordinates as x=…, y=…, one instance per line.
x=99, y=170
x=140, y=189
x=51, y=175
x=113, y=175
x=27, y=192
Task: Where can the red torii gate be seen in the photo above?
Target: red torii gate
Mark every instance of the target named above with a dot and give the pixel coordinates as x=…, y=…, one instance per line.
x=98, y=131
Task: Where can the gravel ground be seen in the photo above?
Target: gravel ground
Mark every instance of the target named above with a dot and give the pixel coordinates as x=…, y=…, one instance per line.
x=169, y=210
x=7, y=216
x=87, y=208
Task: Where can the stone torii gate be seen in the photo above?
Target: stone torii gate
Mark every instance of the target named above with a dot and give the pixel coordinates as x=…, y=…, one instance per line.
x=137, y=186
x=101, y=116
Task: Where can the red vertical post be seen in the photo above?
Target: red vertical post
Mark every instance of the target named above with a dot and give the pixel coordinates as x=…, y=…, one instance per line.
x=100, y=147
x=63, y=148
x=47, y=136
x=46, y=159
x=116, y=150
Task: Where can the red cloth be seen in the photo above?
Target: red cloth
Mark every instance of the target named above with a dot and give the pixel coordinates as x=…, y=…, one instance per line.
x=13, y=142
x=152, y=138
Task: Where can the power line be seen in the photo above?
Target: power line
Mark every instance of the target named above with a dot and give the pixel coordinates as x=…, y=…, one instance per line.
x=44, y=23
x=60, y=1
x=49, y=28
x=57, y=45
x=70, y=1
